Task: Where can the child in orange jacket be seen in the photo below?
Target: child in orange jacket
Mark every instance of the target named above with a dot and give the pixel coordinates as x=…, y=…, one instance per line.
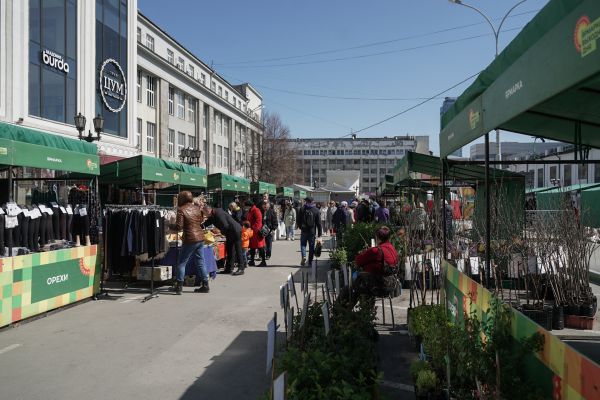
x=247, y=233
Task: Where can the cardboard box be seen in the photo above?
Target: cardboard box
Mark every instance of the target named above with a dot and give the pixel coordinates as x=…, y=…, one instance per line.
x=161, y=273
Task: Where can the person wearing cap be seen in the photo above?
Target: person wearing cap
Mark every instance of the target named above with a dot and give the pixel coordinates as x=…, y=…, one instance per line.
x=309, y=223
x=340, y=221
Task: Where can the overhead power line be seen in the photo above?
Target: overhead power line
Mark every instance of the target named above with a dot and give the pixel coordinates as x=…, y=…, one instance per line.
x=372, y=44
x=416, y=105
x=370, y=54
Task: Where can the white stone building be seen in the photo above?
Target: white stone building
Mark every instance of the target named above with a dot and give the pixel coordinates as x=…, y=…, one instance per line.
x=373, y=157
x=102, y=57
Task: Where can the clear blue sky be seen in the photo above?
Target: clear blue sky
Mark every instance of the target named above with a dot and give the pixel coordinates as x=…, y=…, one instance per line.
x=258, y=41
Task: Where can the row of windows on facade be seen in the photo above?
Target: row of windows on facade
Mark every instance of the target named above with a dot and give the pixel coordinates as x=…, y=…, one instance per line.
x=349, y=152
x=177, y=105
x=179, y=141
x=180, y=64
x=565, y=176
x=355, y=162
x=365, y=171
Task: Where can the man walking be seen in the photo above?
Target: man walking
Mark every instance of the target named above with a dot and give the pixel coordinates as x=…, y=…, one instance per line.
x=270, y=220
x=309, y=223
x=340, y=221
x=233, y=237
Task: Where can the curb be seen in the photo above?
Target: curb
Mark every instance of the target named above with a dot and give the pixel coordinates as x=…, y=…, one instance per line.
x=595, y=277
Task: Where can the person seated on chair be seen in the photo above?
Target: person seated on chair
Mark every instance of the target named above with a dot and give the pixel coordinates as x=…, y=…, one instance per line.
x=377, y=268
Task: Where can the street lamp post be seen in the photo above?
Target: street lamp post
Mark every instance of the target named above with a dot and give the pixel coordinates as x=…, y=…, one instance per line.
x=80, y=126
x=496, y=32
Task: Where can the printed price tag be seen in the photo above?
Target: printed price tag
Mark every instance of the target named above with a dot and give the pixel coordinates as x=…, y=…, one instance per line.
x=54, y=205
x=48, y=211
x=69, y=210
x=82, y=211
x=2, y=211
x=26, y=213
x=63, y=210
x=35, y=213
x=157, y=223
x=11, y=222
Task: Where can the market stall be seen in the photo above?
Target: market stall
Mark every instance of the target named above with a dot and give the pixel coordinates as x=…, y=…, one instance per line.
x=260, y=188
x=51, y=203
x=225, y=188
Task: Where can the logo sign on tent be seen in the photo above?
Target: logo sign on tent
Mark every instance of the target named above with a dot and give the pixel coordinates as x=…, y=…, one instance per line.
x=113, y=86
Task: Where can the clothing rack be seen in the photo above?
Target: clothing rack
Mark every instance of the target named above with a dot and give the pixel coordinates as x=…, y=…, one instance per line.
x=153, y=207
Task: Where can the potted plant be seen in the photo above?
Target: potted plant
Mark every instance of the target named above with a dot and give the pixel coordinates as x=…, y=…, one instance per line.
x=426, y=385
x=338, y=258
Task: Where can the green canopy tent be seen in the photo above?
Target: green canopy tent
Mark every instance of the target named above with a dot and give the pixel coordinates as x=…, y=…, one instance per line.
x=538, y=190
x=508, y=187
x=590, y=198
x=259, y=187
x=555, y=198
x=71, y=160
x=300, y=194
x=285, y=191
x=24, y=147
x=144, y=172
x=545, y=83
x=227, y=187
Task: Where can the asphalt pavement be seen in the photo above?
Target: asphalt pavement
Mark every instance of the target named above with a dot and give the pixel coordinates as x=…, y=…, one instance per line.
x=194, y=346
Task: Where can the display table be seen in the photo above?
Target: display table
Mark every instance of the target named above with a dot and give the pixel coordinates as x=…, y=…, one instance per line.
x=35, y=283
x=210, y=254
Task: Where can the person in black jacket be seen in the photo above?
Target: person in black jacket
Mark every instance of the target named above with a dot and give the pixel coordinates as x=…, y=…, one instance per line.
x=270, y=220
x=309, y=223
x=233, y=237
x=236, y=212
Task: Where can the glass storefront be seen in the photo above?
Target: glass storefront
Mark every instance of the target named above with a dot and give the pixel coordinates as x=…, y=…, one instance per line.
x=111, y=43
x=53, y=59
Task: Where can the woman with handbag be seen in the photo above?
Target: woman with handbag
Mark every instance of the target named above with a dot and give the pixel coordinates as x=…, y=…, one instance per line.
x=260, y=231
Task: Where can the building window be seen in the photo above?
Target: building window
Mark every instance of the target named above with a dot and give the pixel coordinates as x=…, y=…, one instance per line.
x=219, y=156
x=139, y=86
x=225, y=157
x=213, y=86
x=226, y=95
x=540, y=177
x=149, y=42
x=191, y=70
x=220, y=92
x=213, y=155
x=202, y=78
x=171, y=142
x=171, y=100
x=150, y=85
x=192, y=142
x=191, y=109
x=582, y=172
x=139, y=34
x=52, y=90
x=205, y=152
x=553, y=172
x=150, y=137
x=180, y=105
x=180, y=63
x=180, y=142
x=567, y=175
x=138, y=134
x=170, y=56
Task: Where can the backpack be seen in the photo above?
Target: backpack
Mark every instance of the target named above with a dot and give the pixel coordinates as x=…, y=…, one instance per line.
x=389, y=283
x=309, y=219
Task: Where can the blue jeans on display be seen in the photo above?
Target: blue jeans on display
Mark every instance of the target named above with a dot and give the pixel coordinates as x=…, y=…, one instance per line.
x=307, y=237
x=192, y=250
x=289, y=232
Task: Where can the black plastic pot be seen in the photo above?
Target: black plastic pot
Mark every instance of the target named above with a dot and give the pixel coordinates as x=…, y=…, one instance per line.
x=572, y=309
x=558, y=318
x=586, y=310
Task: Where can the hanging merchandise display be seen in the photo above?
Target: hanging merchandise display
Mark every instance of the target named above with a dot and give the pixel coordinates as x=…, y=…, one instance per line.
x=48, y=222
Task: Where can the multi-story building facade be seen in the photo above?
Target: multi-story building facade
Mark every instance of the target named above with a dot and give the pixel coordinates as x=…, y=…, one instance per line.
x=60, y=58
x=102, y=57
x=509, y=149
x=373, y=157
x=183, y=103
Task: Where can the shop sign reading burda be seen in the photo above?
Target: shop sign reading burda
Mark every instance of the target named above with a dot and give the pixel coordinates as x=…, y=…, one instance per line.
x=113, y=86
x=54, y=60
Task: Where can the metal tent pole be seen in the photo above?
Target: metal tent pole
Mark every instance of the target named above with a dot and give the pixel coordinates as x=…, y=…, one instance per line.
x=487, y=209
